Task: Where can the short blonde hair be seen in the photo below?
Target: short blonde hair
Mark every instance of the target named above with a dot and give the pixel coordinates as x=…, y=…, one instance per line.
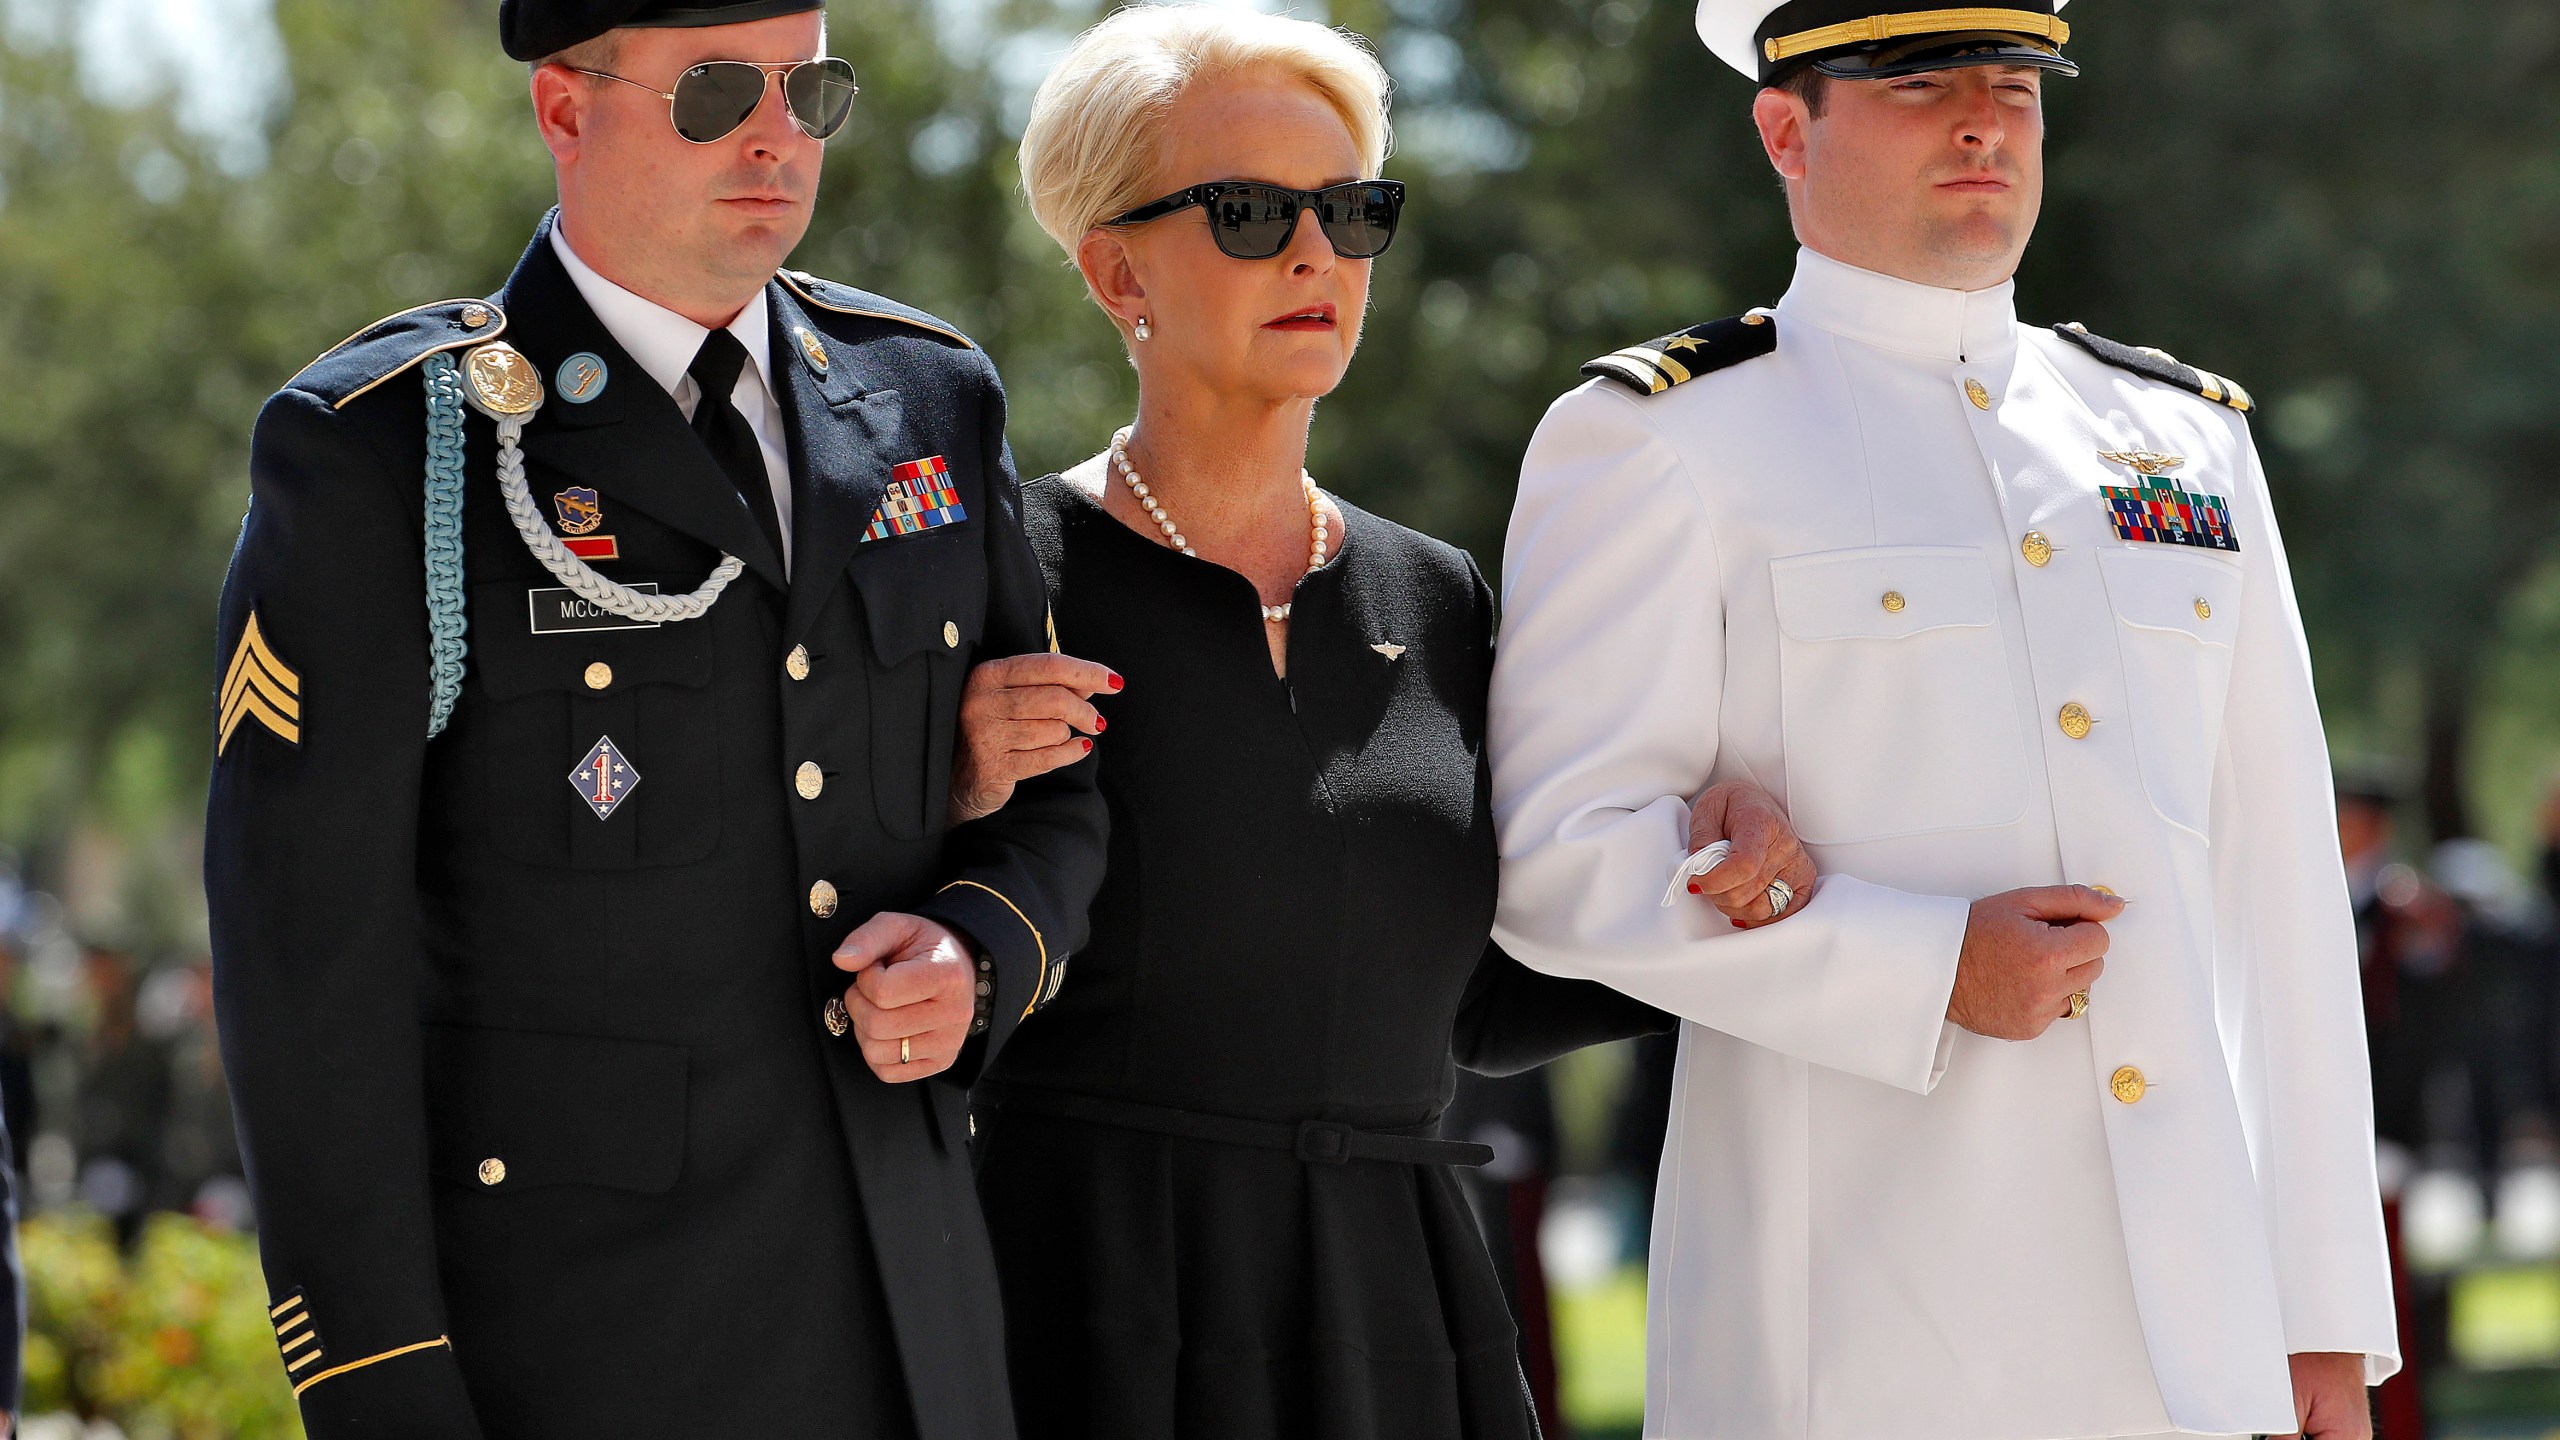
x=1097, y=123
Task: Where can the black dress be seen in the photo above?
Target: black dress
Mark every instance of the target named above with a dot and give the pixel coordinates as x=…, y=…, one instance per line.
x=1294, y=928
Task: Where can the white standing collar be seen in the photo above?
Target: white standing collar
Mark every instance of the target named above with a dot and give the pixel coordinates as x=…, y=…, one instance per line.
x=1892, y=314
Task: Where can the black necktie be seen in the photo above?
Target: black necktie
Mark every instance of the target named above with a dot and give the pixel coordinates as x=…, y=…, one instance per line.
x=725, y=432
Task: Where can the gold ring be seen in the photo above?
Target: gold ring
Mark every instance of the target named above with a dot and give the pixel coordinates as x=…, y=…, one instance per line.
x=905, y=1054
x=2079, y=1003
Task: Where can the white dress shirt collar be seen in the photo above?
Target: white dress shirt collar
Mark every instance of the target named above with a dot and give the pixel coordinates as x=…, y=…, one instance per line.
x=1952, y=325
x=658, y=339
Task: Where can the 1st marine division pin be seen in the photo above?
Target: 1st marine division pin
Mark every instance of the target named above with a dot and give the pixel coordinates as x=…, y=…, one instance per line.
x=605, y=778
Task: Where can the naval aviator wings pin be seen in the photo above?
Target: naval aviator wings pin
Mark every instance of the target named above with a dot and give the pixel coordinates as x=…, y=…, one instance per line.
x=920, y=497
x=605, y=778
x=2157, y=510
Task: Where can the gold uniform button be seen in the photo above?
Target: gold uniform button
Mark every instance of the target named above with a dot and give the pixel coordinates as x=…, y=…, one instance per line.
x=838, y=1019
x=2075, y=720
x=2204, y=608
x=2128, y=1085
x=822, y=899
x=599, y=676
x=493, y=1171
x=809, y=780
x=1893, y=602
x=473, y=317
x=2037, y=549
x=950, y=635
x=796, y=664
x=1974, y=391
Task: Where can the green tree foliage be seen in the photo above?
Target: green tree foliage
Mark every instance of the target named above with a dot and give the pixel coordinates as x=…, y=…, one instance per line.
x=172, y=1341
x=2354, y=213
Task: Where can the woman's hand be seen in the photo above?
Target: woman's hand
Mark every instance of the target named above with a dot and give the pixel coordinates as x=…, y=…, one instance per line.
x=1765, y=848
x=1021, y=717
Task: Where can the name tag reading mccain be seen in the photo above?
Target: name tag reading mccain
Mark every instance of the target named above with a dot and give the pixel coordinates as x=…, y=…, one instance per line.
x=563, y=612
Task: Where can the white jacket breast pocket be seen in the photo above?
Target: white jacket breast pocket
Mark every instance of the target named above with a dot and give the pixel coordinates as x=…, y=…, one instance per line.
x=2176, y=614
x=1900, y=714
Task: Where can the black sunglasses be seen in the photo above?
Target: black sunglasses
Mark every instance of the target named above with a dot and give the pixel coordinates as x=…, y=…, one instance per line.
x=716, y=97
x=1253, y=221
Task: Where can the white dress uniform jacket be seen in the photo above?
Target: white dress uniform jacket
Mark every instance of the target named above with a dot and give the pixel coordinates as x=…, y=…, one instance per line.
x=1870, y=570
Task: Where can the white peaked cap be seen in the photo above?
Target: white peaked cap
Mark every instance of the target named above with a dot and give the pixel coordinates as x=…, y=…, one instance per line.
x=1731, y=28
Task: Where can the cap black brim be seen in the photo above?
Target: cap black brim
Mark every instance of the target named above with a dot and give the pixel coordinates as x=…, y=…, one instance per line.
x=1893, y=63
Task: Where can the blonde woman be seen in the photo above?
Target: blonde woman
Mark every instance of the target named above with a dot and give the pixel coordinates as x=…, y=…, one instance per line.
x=1219, y=1209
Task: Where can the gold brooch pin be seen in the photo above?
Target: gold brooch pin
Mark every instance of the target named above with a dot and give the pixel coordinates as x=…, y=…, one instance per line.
x=2147, y=462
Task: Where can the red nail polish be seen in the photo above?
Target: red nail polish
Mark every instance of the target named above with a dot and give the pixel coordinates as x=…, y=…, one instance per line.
x=1696, y=889
x=1088, y=747
x=1101, y=723
x=1118, y=683
x=1738, y=925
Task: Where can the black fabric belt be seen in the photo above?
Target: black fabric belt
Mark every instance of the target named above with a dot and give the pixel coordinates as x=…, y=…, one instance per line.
x=1321, y=1142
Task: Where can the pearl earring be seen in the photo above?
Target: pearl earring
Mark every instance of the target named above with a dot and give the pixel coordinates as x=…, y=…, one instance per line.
x=1142, y=327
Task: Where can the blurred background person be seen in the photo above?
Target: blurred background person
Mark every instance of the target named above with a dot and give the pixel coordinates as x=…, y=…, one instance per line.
x=123, y=1100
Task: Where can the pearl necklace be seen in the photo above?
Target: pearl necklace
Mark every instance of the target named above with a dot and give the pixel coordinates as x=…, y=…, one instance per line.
x=1316, y=551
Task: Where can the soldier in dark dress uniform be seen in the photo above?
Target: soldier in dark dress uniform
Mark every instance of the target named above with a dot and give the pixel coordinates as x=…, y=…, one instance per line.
x=529, y=869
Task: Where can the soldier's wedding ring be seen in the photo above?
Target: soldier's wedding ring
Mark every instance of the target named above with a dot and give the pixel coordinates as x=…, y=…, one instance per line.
x=2079, y=1003
x=1781, y=895
x=904, y=1053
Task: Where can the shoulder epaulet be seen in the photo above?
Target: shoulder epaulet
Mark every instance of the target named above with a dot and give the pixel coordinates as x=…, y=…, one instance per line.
x=356, y=365
x=846, y=300
x=2162, y=366
x=1675, y=359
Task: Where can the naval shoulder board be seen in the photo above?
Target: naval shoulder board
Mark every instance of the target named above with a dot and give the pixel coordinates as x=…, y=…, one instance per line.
x=1683, y=356
x=2162, y=366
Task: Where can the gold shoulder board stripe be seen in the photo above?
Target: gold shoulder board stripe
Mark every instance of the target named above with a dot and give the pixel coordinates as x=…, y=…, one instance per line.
x=805, y=285
x=259, y=687
x=1639, y=367
x=1926, y=22
x=497, y=326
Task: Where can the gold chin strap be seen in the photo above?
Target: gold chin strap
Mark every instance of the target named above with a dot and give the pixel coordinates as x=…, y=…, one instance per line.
x=1927, y=22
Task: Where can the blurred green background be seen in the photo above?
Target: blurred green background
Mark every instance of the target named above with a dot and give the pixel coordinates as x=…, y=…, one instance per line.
x=2353, y=206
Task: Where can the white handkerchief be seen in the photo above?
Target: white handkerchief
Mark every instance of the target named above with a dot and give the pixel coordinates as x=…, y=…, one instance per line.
x=1693, y=867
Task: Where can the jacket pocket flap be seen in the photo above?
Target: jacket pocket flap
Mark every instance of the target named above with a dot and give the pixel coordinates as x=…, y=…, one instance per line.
x=514, y=1110
x=1882, y=594
x=2156, y=589
x=923, y=594
x=515, y=659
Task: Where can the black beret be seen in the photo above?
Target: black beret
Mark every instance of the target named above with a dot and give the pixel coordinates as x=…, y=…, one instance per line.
x=535, y=29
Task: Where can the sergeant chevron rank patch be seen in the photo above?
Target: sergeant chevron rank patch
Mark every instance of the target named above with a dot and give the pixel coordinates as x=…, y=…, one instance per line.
x=259, y=687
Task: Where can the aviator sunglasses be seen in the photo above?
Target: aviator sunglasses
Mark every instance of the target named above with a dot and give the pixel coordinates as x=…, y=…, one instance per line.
x=716, y=97
x=1253, y=221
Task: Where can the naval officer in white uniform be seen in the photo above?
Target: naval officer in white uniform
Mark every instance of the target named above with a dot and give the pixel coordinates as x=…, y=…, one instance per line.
x=2001, y=612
